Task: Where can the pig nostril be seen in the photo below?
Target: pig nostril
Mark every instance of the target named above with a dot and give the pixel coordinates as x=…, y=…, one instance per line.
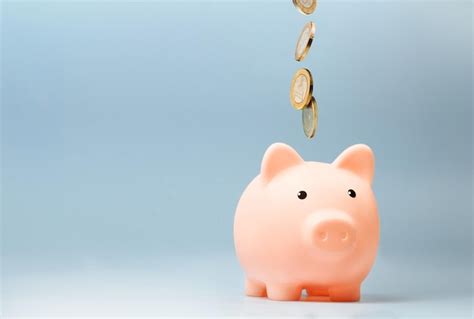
x=344, y=236
x=331, y=234
x=323, y=235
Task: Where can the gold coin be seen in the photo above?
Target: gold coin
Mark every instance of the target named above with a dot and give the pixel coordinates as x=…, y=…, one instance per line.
x=301, y=89
x=305, y=6
x=310, y=118
x=304, y=41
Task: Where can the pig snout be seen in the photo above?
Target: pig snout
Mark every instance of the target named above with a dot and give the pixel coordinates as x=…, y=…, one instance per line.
x=331, y=231
x=334, y=235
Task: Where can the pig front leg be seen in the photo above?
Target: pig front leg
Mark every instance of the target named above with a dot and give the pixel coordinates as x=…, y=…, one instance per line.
x=283, y=292
x=345, y=293
x=254, y=288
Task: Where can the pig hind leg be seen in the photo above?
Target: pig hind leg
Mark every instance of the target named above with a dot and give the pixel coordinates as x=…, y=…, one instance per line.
x=317, y=291
x=345, y=293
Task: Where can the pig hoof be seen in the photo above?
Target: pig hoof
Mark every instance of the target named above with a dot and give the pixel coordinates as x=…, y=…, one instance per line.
x=255, y=288
x=345, y=294
x=283, y=292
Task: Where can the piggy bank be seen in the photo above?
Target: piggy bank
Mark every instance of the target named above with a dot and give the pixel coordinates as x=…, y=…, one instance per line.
x=308, y=225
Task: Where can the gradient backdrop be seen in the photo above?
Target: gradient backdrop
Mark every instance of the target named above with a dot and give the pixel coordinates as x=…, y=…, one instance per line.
x=130, y=129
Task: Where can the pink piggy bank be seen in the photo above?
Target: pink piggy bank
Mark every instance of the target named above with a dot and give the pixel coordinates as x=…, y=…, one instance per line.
x=308, y=225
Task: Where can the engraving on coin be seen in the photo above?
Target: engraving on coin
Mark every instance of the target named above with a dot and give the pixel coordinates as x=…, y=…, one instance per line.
x=305, y=6
x=301, y=88
x=304, y=41
x=310, y=118
x=307, y=3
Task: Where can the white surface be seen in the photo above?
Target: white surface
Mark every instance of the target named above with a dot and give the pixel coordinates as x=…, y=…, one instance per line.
x=212, y=284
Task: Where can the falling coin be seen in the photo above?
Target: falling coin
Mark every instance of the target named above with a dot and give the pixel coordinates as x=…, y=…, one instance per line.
x=305, y=6
x=301, y=89
x=310, y=118
x=304, y=41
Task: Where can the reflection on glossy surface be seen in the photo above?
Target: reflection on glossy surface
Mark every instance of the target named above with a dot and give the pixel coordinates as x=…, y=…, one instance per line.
x=167, y=285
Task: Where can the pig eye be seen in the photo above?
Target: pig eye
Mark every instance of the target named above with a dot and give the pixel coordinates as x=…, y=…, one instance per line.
x=302, y=194
x=351, y=193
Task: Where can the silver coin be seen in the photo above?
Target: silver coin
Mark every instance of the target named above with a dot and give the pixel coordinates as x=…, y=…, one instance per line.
x=305, y=6
x=304, y=41
x=310, y=118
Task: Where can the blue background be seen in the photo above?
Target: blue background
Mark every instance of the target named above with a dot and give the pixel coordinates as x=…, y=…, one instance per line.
x=129, y=131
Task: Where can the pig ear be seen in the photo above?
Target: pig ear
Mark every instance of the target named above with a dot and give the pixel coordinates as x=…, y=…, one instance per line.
x=277, y=158
x=359, y=159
